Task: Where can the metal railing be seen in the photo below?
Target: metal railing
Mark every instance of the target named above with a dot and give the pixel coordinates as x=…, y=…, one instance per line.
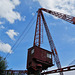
x=15, y=72
x=24, y=72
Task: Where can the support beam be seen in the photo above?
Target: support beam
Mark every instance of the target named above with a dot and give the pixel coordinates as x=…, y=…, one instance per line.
x=65, y=69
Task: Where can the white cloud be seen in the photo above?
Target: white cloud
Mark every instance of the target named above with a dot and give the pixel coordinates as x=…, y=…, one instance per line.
x=66, y=28
x=7, y=10
x=12, y=34
x=2, y=27
x=30, y=7
x=52, y=24
x=16, y=2
x=23, y=18
x=70, y=73
x=5, y=47
x=35, y=0
x=1, y=22
x=33, y=14
x=69, y=39
x=63, y=6
x=65, y=73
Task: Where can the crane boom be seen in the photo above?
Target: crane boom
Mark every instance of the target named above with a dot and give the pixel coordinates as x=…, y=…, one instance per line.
x=37, y=37
x=53, y=48
x=65, y=17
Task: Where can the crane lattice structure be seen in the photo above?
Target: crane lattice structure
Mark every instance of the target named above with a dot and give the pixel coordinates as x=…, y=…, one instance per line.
x=38, y=35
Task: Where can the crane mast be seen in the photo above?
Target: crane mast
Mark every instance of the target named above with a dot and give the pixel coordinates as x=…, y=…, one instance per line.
x=37, y=37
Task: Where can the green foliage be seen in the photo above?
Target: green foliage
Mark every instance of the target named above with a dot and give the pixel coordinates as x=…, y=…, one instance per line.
x=3, y=65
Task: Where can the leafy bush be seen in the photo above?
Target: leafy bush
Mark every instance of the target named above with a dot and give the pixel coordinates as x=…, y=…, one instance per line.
x=3, y=65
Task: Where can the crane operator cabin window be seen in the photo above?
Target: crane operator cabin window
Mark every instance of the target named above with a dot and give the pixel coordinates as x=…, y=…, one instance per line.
x=48, y=55
x=32, y=51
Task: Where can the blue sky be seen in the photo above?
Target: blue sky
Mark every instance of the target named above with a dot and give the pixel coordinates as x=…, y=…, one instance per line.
x=14, y=18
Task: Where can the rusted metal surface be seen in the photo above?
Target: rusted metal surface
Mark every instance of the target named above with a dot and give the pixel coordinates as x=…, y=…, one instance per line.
x=73, y=20
x=37, y=37
x=65, y=17
x=39, y=56
x=24, y=72
x=65, y=69
x=51, y=43
x=15, y=72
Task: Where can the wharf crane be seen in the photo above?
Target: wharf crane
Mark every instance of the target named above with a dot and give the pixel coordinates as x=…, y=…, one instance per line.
x=37, y=57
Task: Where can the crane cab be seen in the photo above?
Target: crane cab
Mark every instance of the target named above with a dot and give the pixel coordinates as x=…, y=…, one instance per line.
x=39, y=57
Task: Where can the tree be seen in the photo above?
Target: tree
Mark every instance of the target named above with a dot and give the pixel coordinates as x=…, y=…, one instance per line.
x=3, y=65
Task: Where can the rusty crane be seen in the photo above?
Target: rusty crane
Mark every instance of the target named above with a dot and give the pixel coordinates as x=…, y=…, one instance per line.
x=38, y=57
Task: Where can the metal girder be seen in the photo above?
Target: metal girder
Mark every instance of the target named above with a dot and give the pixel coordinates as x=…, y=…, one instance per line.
x=37, y=37
x=51, y=43
x=6, y=72
x=65, y=69
x=65, y=17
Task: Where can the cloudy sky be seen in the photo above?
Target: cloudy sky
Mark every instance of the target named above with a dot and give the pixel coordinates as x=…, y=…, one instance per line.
x=15, y=16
